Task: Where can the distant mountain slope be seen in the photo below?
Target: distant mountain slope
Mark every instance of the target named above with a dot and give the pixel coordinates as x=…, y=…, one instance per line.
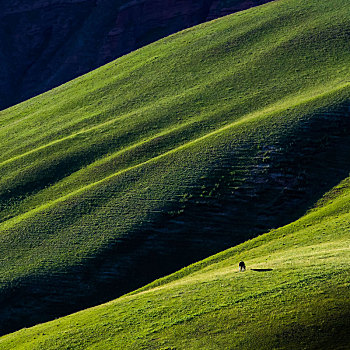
x=169, y=154
x=46, y=43
x=294, y=295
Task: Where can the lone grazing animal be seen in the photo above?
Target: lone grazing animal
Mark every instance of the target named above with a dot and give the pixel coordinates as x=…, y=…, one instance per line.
x=241, y=266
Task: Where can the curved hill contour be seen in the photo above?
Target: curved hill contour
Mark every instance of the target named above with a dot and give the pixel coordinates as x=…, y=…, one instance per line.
x=44, y=44
x=169, y=154
x=293, y=295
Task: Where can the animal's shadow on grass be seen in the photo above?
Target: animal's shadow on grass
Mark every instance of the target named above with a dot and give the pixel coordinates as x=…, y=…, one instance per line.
x=261, y=270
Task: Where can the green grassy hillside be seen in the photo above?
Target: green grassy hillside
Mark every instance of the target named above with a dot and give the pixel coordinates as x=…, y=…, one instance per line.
x=300, y=301
x=170, y=154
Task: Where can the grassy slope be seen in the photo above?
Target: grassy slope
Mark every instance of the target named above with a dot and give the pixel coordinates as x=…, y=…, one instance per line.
x=301, y=304
x=86, y=165
x=79, y=39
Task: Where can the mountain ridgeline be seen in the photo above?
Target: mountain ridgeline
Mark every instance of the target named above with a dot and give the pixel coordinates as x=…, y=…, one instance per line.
x=44, y=44
x=174, y=152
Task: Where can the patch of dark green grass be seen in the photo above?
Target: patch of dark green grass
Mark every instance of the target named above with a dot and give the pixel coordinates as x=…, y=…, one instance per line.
x=301, y=302
x=90, y=168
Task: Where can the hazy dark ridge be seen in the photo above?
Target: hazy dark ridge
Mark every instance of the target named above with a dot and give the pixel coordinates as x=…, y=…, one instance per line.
x=44, y=44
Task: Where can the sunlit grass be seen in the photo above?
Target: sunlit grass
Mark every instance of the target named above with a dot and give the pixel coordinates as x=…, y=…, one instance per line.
x=85, y=166
x=301, y=302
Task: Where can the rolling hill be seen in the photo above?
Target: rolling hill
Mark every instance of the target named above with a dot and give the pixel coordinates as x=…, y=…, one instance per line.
x=294, y=295
x=172, y=153
x=44, y=44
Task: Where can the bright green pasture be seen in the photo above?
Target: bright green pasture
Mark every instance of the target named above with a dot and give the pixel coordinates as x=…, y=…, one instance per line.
x=88, y=163
x=301, y=303
x=94, y=163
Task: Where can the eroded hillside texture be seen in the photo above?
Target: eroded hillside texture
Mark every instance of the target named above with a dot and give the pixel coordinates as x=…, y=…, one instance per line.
x=45, y=43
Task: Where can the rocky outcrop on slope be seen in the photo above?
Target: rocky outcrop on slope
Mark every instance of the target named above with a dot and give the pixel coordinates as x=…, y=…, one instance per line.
x=45, y=43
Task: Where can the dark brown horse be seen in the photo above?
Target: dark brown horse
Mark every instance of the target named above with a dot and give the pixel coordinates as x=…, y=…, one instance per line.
x=241, y=266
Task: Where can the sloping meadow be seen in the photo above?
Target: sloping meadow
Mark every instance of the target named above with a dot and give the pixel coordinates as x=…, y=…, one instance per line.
x=293, y=295
x=102, y=178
